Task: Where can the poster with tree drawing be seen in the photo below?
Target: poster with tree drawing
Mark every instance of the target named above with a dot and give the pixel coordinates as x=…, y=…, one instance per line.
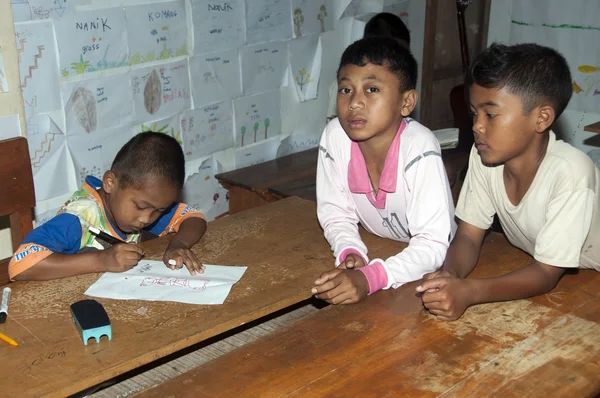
x=305, y=62
x=93, y=153
x=168, y=126
x=268, y=20
x=203, y=192
x=156, y=31
x=263, y=67
x=27, y=10
x=573, y=29
x=91, y=41
x=96, y=104
x=36, y=51
x=257, y=153
x=216, y=77
x=50, y=162
x=207, y=130
x=310, y=17
x=218, y=26
x=257, y=118
x=160, y=91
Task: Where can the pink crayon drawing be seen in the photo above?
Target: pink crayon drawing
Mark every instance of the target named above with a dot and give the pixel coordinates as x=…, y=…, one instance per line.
x=175, y=282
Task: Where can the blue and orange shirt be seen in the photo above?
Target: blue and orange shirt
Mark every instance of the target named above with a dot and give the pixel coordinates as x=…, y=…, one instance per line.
x=68, y=231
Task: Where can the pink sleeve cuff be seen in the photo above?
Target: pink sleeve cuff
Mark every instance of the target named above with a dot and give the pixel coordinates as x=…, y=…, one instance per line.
x=350, y=250
x=376, y=275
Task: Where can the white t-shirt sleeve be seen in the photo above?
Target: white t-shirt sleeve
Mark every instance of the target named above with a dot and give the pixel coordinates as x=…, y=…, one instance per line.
x=475, y=204
x=335, y=209
x=429, y=213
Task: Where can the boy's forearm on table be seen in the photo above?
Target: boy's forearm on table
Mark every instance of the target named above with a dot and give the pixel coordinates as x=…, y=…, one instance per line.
x=59, y=265
x=461, y=258
x=190, y=232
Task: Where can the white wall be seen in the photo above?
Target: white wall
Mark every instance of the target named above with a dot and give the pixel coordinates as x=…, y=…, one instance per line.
x=570, y=125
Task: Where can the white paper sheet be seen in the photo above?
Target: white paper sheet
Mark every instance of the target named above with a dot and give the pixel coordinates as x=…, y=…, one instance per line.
x=359, y=7
x=160, y=91
x=263, y=67
x=257, y=118
x=202, y=191
x=305, y=61
x=169, y=126
x=3, y=82
x=38, y=67
x=156, y=31
x=153, y=281
x=311, y=16
x=297, y=143
x=218, y=26
x=215, y=77
x=207, y=130
x=268, y=20
x=25, y=10
x=91, y=41
x=10, y=127
x=50, y=160
x=572, y=28
x=97, y=104
x=257, y=153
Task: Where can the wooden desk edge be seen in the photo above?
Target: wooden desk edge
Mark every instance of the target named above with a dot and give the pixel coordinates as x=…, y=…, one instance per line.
x=593, y=128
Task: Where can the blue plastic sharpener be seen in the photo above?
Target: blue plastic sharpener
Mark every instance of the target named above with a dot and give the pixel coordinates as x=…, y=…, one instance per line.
x=91, y=320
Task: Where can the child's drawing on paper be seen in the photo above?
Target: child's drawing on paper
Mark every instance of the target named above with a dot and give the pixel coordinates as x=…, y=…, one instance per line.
x=215, y=77
x=37, y=67
x=26, y=10
x=160, y=91
x=92, y=41
x=264, y=67
x=305, y=60
x=207, y=130
x=298, y=21
x=156, y=31
x=311, y=17
x=203, y=192
x=257, y=153
x=82, y=106
x=218, y=26
x=257, y=116
x=268, y=20
x=169, y=126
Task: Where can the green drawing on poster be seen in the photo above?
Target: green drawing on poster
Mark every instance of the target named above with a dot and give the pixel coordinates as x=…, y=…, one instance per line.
x=298, y=21
x=81, y=66
x=321, y=17
x=164, y=130
x=84, y=66
x=256, y=126
x=303, y=78
x=181, y=51
x=243, y=133
x=267, y=123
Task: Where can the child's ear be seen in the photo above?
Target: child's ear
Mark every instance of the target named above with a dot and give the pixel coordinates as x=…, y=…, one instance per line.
x=545, y=118
x=409, y=101
x=109, y=181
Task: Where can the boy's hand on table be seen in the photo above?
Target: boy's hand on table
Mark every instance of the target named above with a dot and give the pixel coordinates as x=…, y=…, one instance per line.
x=341, y=286
x=121, y=257
x=446, y=297
x=352, y=261
x=440, y=273
x=181, y=255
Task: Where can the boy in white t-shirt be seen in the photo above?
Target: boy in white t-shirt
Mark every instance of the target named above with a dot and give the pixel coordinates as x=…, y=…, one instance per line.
x=544, y=191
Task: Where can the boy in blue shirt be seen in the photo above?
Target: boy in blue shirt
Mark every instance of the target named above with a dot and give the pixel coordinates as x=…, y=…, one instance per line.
x=138, y=193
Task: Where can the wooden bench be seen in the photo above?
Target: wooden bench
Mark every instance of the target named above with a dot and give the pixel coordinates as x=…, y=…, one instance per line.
x=389, y=346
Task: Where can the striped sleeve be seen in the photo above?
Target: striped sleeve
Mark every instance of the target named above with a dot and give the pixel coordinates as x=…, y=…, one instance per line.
x=172, y=219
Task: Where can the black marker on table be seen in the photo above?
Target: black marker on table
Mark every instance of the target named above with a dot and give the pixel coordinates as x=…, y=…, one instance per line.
x=104, y=236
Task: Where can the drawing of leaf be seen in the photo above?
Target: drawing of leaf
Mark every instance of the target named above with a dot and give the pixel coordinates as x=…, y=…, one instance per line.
x=152, y=93
x=183, y=50
x=83, y=104
x=135, y=59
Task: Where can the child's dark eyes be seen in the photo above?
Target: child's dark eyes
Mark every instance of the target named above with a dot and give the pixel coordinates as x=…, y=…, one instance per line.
x=490, y=115
x=372, y=90
x=344, y=90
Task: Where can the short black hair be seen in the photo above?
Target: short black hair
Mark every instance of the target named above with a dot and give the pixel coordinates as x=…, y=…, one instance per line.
x=150, y=155
x=383, y=51
x=387, y=25
x=535, y=73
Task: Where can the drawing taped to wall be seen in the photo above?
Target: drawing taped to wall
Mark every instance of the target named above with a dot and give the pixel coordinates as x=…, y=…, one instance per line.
x=216, y=77
x=168, y=126
x=263, y=67
x=311, y=17
x=26, y=10
x=218, y=26
x=257, y=117
x=153, y=92
x=305, y=60
x=207, y=130
x=203, y=192
x=268, y=20
x=82, y=106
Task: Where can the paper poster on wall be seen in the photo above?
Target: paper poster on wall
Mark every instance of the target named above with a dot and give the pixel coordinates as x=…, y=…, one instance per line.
x=296, y=142
x=93, y=154
x=3, y=81
x=310, y=17
x=305, y=61
x=156, y=31
x=215, y=77
x=268, y=20
x=92, y=41
x=572, y=28
x=38, y=67
x=359, y=7
x=41, y=217
x=257, y=153
x=257, y=118
x=168, y=126
x=97, y=104
x=160, y=91
x=50, y=160
x=207, y=130
x=10, y=127
x=26, y=10
x=263, y=67
x=218, y=26
x=203, y=192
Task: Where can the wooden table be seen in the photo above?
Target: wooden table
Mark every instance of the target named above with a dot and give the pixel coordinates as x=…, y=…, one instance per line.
x=282, y=245
x=389, y=346
x=593, y=128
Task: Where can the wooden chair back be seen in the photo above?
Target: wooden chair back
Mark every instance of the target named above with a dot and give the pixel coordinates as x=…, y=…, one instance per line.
x=18, y=198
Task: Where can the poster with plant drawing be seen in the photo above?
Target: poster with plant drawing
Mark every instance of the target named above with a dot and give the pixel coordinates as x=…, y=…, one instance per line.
x=268, y=20
x=26, y=10
x=93, y=153
x=215, y=77
x=96, y=104
x=36, y=52
x=207, y=130
x=218, y=26
x=202, y=191
x=156, y=31
x=257, y=118
x=573, y=29
x=91, y=41
x=160, y=91
x=256, y=153
x=50, y=161
x=168, y=126
x=263, y=67
x=311, y=16
x=305, y=62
